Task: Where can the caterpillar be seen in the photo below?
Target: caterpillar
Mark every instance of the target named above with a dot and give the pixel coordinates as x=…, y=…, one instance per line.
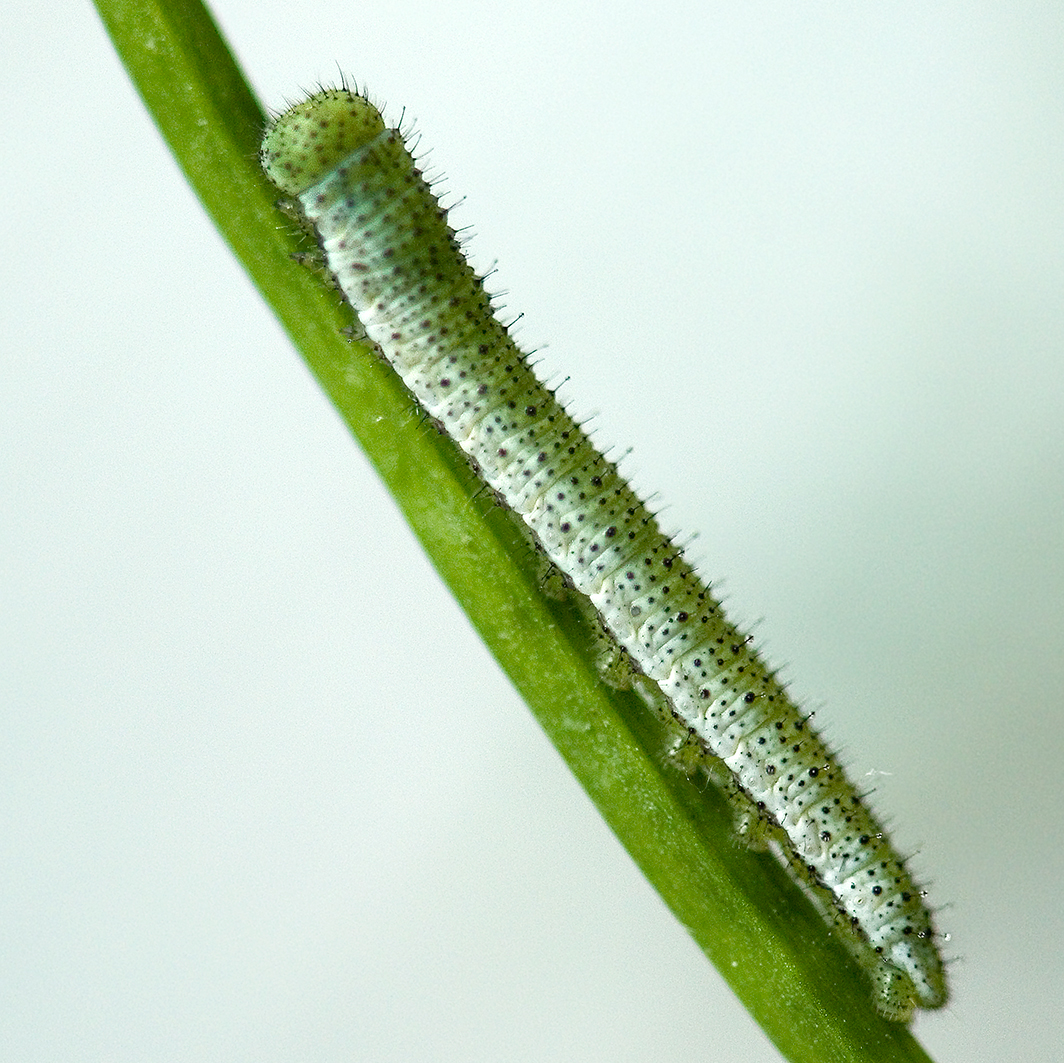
x=386, y=241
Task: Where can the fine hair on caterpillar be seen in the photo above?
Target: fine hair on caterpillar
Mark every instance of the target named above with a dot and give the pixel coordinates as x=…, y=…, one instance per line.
x=389, y=249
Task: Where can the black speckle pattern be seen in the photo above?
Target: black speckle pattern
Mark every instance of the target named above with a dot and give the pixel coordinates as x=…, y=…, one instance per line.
x=387, y=241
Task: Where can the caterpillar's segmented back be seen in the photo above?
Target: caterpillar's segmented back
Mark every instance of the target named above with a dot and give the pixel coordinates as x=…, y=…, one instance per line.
x=386, y=240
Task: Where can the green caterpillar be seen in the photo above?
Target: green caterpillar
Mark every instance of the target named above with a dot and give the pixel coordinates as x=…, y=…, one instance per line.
x=387, y=243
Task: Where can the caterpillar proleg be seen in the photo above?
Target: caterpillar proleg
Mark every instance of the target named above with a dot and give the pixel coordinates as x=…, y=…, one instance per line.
x=386, y=241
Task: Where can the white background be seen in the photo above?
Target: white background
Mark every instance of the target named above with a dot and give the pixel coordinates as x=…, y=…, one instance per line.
x=264, y=795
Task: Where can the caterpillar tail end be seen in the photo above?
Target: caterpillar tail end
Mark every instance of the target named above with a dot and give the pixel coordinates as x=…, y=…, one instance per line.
x=901, y=989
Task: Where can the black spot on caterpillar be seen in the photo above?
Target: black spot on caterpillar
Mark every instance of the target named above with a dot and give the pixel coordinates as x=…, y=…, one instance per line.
x=386, y=242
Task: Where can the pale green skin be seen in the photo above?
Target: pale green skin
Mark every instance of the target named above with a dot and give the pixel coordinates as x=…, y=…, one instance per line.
x=387, y=243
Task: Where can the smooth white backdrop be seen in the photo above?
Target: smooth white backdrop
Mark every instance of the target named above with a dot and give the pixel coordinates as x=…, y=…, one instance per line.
x=265, y=797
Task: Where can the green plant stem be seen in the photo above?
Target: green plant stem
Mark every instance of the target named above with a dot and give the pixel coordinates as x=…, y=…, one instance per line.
x=756, y=926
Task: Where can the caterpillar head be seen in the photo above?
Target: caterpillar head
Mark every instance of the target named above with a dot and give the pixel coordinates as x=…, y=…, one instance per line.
x=315, y=136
